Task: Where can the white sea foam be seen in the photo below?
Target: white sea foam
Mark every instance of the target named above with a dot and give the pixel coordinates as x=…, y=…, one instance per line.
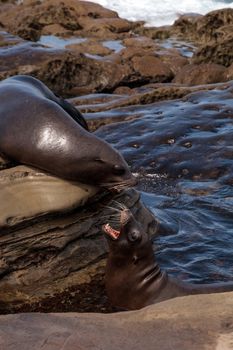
x=157, y=13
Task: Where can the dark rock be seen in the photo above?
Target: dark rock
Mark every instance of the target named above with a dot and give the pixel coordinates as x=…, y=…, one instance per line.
x=215, y=26
x=219, y=52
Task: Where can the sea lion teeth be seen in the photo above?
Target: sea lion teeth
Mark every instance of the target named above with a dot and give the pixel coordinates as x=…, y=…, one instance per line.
x=111, y=232
x=133, y=277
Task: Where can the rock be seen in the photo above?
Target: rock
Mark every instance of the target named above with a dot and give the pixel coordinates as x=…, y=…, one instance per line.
x=92, y=47
x=97, y=108
x=151, y=69
x=219, y=52
x=214, y=26
x=201, y=322
x=162, y=32
x=64, y=71
x=143, y=65
x=206, y=73
x=173, y=60
x=228, y=75
x=28, y=193
x=61, y=70
x=31, y=19
x=140, y=41
x=214, y=32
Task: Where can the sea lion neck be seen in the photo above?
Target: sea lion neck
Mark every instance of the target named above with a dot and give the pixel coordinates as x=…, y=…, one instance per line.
x=133, y=277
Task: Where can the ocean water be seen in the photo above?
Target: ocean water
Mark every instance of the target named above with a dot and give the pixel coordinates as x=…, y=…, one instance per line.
x=158, y=13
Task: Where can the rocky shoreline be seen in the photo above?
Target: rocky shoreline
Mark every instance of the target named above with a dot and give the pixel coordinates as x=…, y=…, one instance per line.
x=111, y=54
x=112, y=70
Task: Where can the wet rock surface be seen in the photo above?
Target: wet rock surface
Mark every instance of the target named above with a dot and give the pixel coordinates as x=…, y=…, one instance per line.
x=195, y=322
x=110, y=52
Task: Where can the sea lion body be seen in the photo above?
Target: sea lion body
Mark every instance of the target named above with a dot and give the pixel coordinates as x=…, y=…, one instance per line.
x=134, y=278
x=39, y=129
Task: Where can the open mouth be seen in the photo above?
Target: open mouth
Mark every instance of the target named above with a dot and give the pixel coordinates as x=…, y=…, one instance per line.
x=114, y=234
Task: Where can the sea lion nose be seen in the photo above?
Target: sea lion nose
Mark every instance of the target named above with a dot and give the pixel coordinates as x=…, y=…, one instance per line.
x=135, y=236
x=118, y=170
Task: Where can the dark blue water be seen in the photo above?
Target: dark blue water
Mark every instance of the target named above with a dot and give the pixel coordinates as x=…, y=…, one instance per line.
x=182, y=153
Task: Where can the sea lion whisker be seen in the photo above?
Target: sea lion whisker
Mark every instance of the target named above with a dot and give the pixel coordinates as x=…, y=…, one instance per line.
x=122, y=206
x=112, y=208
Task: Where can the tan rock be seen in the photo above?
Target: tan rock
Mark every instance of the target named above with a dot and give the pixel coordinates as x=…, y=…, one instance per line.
x=92, y=47
x=202, y=322
x=27, y=193
x=31, y=19
x=228, y=75
x=208, y=73
x=152, y=67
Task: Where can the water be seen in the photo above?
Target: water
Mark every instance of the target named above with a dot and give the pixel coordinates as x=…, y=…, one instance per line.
x=182, y=154
x=59, y=43
x=157, y=13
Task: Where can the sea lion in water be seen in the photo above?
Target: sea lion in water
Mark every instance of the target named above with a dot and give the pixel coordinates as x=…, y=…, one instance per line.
x=133, y=277
x=40, y=129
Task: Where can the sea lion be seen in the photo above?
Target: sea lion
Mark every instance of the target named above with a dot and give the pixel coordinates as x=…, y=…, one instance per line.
x=42, y=130
x=133, y=277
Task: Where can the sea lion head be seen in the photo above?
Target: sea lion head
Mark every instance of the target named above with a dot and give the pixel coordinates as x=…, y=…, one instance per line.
x=132, y=274
x=104, y=166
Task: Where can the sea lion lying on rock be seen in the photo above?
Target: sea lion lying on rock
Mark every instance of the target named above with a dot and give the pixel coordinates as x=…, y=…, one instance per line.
x=133, y=277
x=42, y=130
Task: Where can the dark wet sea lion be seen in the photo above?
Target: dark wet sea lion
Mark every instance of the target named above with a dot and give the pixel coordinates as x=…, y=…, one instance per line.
x=39, y=129
x=134, y=278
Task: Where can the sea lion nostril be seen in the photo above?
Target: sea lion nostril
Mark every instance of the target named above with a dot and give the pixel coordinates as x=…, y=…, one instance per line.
x=118, y=170
x=135, y=236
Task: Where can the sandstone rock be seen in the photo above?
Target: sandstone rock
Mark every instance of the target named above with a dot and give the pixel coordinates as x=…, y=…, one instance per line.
x=65, y=72
x=151, y=69
x=59, y=69
x=219, y=52
x=92, y=47
x=162, y=32
x=31, y=19
x=140, y=41
x=201, y=322
x=215, y=26
x=208, y=73
x=27, y=193
x=173, y=60
x=228, y=75
x=55, y=29
x=105, y=27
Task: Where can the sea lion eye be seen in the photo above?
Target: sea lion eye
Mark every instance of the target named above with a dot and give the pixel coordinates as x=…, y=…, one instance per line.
x=118, y=170
x=99, y=160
